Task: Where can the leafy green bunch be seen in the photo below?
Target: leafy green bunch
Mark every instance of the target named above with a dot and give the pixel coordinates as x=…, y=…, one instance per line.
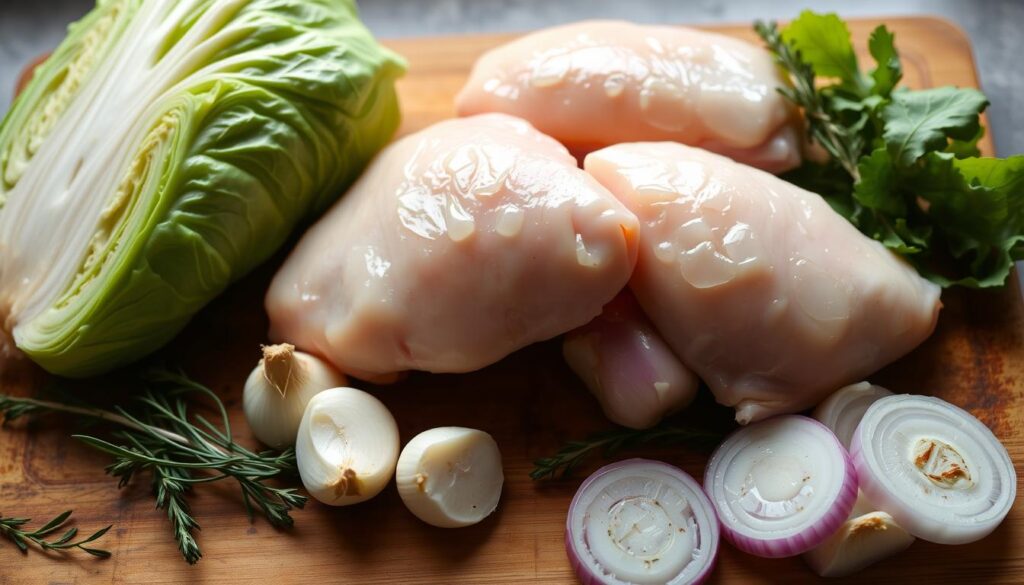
x=902, y=165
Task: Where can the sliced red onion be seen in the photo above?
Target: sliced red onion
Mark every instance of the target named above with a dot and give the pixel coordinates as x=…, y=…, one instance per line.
x=935, y=468
x=644, y=522
x=842, y=410
x=781, y=486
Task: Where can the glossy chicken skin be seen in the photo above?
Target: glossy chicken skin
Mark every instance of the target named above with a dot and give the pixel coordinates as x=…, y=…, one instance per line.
x=628, y=367
x=769, y=295
x=460, y=244
x=596, y=83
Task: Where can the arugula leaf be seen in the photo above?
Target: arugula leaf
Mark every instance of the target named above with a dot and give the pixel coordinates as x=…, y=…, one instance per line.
x=978, y=200
x=884, y=207
x=876, y=189
x=920, y=121
x=889, y=71
x=966, y=148
x=823, y=41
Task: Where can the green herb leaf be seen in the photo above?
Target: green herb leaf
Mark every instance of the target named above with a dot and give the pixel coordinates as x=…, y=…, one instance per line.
x=888, y=71
x=903, y=165
x=11, y=528
x=966, y=148
x=610, y=442
x=876, y=189
x=979, y=202
x=180, y=450
x=824, y=43
x=925, y=120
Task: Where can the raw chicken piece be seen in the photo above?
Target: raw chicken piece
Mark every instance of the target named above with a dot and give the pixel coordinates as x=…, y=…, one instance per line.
x=770, y=296
x=628, y=366
x=459, y=245
x=595, y=83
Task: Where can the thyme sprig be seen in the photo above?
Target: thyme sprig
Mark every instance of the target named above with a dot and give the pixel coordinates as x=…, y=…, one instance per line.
x=608, y=443
x=12, y=529
x=843, y=143
x=180, y=450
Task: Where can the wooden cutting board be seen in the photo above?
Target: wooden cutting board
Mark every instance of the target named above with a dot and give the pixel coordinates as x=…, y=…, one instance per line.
x=530, y=402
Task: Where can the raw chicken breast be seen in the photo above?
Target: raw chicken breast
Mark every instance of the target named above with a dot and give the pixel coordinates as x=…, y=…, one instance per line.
x=460, y=244
x=596, y=83
x=770, y=296
x=628, y=366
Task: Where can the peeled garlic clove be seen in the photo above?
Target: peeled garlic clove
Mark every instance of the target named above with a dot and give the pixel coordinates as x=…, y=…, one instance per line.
x=859, y=543
x=347, y=446
x=278, y=390
x=450, y=476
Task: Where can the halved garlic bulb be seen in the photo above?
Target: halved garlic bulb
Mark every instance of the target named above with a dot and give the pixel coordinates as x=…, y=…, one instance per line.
x=278, y=390
x=450, y=476
x=860, y=542
x=347, y=446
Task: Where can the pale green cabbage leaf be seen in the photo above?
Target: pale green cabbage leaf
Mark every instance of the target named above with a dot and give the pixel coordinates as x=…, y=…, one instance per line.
x=166, y=148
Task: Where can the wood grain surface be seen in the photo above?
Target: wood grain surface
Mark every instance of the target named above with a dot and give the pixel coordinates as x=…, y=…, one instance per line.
x=530, y=402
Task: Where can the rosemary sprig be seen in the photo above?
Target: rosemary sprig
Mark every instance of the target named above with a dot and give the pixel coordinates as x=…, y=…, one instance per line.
x=12, y=529
x=844, y=144
x=609, y=442
x=180, y=451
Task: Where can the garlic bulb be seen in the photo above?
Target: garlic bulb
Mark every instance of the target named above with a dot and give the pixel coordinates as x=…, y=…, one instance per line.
x=860, y=542
x=450, y=476
x=347, y=446
x=278, y=390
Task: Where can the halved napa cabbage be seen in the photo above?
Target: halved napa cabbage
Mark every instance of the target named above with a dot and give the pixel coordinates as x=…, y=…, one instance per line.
x=166, y=148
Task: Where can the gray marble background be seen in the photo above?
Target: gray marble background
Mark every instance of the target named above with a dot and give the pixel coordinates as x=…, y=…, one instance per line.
x=29, y=27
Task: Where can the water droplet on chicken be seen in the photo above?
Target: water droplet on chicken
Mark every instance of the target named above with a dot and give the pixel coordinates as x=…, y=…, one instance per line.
x=656, y=191
x=458, y=221
x=665, y=252
x=740, y=245
x=510, y=221
x=614, y=85
x=663, y=104
x=550, y=71
x=693, y=233
x=703, y=267
x=587, y=257
x=491, y=185
x=714, y=197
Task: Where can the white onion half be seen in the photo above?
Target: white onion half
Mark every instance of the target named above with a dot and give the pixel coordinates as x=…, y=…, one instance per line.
x=781, y=486
x=842, y=410
x=641, y=522
x=935, y=468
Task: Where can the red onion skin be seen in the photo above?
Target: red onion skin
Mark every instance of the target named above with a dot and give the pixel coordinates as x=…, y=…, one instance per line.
x=584, y=572
x=811, y=536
